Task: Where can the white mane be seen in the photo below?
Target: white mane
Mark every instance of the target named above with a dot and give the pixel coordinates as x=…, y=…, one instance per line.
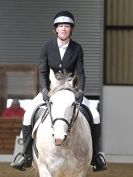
x=60, y=79
x=54, y=82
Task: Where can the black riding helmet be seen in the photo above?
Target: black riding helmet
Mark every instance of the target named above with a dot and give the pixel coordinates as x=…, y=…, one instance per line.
x=64, y=17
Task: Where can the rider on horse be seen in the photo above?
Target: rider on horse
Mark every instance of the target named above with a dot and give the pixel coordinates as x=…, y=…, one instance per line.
x=60, y=55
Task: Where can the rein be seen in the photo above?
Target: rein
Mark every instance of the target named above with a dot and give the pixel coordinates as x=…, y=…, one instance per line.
x=74, y=118
x=49, y=111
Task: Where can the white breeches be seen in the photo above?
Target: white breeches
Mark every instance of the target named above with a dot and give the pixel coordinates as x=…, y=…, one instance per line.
x=95, y=113
x=29, y=111
x=38, y=100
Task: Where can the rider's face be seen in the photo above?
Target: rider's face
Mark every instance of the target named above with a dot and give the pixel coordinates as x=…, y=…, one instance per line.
x=63, y=31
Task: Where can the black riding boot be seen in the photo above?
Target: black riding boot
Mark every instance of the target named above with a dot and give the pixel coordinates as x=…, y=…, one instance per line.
x=25, y=159
x=98, y=160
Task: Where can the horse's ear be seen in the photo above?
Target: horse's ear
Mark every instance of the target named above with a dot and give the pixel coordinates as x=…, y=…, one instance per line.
x=75, y=81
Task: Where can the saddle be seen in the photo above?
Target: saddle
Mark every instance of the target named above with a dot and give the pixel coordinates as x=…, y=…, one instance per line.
x=87, y=114
x=40, y=111
x=38, y=116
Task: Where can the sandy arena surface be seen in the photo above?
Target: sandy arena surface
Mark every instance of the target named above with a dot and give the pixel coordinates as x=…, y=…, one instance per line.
x=114, y=170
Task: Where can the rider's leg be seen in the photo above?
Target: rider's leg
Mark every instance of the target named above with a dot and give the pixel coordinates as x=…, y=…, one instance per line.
x=98, y=160
x=25, y=159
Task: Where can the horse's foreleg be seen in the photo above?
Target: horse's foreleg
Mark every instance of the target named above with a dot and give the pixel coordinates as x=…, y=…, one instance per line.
x=43, y=171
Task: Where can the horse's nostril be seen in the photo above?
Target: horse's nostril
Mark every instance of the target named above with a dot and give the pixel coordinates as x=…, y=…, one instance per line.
x=65, y=137
x=58, y=141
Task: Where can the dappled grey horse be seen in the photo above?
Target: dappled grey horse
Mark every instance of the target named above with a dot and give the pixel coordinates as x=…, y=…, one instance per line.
x=63, y=139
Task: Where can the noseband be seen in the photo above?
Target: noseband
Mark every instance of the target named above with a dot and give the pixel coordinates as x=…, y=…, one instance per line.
x=68, y=124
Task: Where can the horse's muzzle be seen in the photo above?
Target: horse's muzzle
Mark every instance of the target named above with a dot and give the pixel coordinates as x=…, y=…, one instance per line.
x=59, y=142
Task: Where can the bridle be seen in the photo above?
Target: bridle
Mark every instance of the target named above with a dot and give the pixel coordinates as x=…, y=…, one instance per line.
x=73, y=119
x=66, y=86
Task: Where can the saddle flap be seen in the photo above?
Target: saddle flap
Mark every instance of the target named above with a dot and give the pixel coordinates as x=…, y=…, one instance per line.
x=38, y=116
x=87, y=114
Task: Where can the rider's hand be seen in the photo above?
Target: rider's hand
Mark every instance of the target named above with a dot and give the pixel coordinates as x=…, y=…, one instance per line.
x=79, y=96
x=45, y=94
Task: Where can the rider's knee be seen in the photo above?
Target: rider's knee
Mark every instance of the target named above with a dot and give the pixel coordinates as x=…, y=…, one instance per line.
x=96, y=119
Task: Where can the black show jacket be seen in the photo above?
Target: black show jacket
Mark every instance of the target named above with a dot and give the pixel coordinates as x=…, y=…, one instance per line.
x=72, y=62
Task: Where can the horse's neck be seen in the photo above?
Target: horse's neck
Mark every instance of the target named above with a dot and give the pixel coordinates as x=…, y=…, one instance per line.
x=77, y=136
x=62, y=83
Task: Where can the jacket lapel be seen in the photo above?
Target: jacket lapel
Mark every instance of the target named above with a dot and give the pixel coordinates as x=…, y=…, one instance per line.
x=56, y=51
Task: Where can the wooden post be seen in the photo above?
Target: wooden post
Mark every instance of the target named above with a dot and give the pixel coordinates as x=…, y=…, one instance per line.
x=3, y=91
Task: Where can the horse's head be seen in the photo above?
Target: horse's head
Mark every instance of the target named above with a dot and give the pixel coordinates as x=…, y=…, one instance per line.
x=62, y=112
